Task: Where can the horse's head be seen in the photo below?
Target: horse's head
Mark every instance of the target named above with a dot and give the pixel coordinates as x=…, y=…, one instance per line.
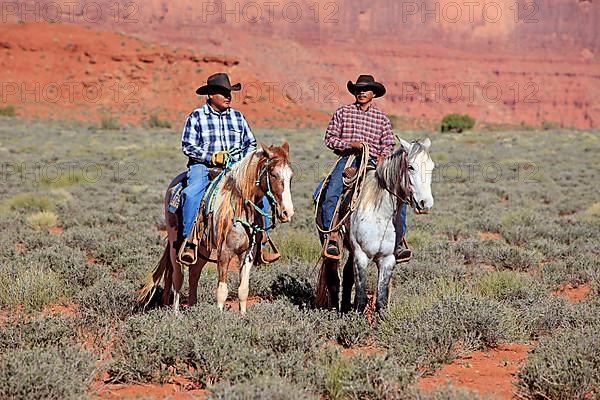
x=420, y=170
x=276, y=175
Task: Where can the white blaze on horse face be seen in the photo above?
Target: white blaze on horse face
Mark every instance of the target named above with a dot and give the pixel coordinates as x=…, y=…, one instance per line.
x=285, y=172
x=420, y=176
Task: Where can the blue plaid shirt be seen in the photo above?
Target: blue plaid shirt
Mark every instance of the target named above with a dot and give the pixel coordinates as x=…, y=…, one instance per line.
x=207, y=131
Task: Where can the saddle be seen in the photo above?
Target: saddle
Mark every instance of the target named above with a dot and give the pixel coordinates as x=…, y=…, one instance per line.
x=344, y=207
x=200, y=234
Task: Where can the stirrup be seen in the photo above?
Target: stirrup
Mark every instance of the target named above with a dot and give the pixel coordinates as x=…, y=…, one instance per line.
x=187, y=255
x=331, y=250
x=267, y=257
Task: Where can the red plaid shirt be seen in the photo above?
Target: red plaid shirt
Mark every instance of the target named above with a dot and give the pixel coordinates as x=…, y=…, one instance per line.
x=351, y=124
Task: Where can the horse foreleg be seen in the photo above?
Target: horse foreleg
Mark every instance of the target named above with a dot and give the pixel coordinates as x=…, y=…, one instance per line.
x=347, y=283
x=177, y=283
x=222, y=290
x=386, y=268
x=194, y=277
x=361, y=261
x=245, y=280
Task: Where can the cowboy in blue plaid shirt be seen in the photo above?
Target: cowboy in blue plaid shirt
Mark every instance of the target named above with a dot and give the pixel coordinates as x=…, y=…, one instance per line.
x=210, y=132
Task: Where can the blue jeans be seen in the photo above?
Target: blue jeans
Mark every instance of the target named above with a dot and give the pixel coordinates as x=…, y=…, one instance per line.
x=400, y=222
x=197, y=182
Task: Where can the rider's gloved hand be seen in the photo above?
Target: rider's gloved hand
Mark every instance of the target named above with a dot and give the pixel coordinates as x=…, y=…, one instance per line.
x=219, y=158
x=357, y=146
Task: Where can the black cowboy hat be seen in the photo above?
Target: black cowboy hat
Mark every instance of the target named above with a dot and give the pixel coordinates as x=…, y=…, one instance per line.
x=366, y=82
x=218, y=82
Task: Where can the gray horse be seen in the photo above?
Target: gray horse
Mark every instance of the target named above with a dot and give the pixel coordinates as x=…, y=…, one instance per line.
x=405, y=175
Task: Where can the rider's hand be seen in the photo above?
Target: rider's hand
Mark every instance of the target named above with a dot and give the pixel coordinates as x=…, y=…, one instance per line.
x=219, y=158
x=356, y=145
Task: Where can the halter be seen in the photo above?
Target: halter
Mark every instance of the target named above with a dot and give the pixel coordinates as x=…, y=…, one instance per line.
x=253, y=228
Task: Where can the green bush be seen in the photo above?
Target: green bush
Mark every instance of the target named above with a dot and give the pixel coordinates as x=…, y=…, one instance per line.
x=155, y=122
x=457, y=123
x=46, y=373
x=566, y=366
x=30, y=202
x=549, y=125
x=110, y=124
x=8, y=111
x=501, y=285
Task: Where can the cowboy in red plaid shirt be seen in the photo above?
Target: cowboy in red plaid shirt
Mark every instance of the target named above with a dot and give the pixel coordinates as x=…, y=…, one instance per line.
x=351, y=126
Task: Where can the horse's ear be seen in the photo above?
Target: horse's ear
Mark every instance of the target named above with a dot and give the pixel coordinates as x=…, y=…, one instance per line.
x=405, y=144
x=426, y=143
x=263, y=151
x=286, y=147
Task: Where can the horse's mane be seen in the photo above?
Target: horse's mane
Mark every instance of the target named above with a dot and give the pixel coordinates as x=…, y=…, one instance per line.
x=235, y=188
x=387, y=175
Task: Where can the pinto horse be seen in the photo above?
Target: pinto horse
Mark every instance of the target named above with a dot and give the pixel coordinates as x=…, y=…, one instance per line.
x=403, y=176
x=234, y=226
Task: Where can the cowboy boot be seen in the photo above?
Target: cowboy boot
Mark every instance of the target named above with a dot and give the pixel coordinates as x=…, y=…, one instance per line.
x=331, y=249
x=402, y=252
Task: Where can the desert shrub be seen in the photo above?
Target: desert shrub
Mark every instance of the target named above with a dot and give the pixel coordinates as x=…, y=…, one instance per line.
x=30, y=202
x=29, y=285
x=378, y=377
x=519, y=227
x=501, y=285
x=353, y=329
x=46, y=373
x=262, y=387
x=43, y=331
x=107, y=301
x=540, y=313
x=297, y=246
x=110, y=124
x=549, y=125
x=515, y=258
x=8, y=111
x=364, y=376
x=565, y=366
x=42, y=219
x=575, y=270
x=274, y=338
x=431, y=337
x=457, y=123
x=155, y=122
x=69, y=263
x=299, y=291
x=447, y=393
x=69, y=178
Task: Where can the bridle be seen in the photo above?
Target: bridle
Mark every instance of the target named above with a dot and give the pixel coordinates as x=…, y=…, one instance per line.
x=405, y=187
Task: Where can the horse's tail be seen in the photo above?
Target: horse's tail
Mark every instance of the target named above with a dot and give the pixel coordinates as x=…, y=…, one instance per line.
x=145, y=294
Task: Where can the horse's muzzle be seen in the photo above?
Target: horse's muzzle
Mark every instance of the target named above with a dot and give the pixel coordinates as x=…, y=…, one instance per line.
x=284, y=215
x=420, y=207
